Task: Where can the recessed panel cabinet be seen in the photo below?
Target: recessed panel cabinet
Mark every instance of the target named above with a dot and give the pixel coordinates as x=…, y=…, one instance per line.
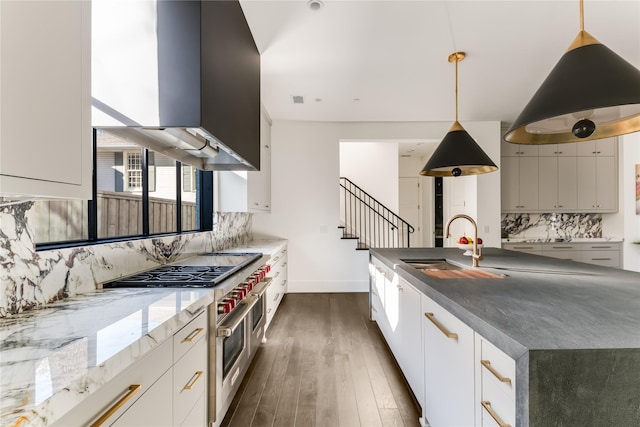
x=448, y=368
x=396, y=309
x=575, y=177
x=45, y=99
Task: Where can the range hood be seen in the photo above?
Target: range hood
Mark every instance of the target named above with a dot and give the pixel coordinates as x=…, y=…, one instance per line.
x=179, y=77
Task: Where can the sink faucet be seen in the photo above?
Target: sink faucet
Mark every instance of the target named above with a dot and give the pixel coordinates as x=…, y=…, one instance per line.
x=476, y=252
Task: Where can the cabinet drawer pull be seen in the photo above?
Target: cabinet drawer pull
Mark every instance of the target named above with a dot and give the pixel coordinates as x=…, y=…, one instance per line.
x=487, y=405
x=520, y=206
x=284, y=265
x=600, y=259
x=194, y=379
x=433, y=320
x=284, y=283
x=192, y=335
x=276, y=275
x=275, y=260
x=268, y=311
x=523, y=247
x=374, y=309
x=276, y=297
x=562, y=247
x=600, y=247
x=131, y=391
x=495, y=373
x=400, y=288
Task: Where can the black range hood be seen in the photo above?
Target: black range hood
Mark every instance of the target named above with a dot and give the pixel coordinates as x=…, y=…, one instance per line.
x=179, y=77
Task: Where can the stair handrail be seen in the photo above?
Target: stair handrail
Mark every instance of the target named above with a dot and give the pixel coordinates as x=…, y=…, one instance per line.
x=362, y=220
x=409, y=226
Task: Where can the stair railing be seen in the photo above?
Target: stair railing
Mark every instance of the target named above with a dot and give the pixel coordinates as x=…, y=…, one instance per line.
x=370, y=222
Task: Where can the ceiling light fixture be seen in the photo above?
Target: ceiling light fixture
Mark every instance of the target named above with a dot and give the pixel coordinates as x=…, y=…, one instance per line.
x=458, y=154
x=591, y=93
x=315, y=4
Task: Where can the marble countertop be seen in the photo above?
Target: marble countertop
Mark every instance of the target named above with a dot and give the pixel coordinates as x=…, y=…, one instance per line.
x=542, y=303
x=54, y=358
x=560, y=240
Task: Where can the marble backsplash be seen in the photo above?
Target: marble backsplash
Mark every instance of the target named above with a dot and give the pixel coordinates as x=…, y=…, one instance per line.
x=552, y=225
x=30, y=279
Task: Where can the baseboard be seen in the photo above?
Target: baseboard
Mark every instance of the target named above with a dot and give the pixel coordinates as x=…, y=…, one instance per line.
x=327, y=286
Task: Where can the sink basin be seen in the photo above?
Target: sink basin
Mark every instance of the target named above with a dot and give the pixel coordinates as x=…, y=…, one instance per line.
x=443, y=269
x=431, y=264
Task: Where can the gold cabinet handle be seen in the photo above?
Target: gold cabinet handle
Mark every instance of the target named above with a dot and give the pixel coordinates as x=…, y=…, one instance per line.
x=194, y=379
x=193, y=335
x=495, y=373
x=400, y=288
x=131, y=391
x=487, y=405
x=448, y=334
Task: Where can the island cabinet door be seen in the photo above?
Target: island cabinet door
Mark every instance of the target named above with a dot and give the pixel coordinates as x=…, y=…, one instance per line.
x=449, y=368
x=495, y=385
x=409, y=338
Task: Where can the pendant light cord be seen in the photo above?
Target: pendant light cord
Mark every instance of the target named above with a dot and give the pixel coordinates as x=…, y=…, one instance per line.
x=581, y=15
x=457, y=89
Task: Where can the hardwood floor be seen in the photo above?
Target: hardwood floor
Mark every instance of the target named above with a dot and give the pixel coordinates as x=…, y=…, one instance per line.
x=325, y=364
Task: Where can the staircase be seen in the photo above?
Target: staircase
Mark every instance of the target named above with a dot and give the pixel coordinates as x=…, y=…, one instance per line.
x=368, y=221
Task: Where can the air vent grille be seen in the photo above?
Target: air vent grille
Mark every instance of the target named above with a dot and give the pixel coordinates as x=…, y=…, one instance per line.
x=297, y=99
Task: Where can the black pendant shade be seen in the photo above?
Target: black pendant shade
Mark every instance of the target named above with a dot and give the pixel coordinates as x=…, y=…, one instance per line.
x=591, y=93
x=458, y=155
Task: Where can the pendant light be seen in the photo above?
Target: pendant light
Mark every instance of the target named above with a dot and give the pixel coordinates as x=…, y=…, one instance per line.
x=458, y=154
x=591, y=93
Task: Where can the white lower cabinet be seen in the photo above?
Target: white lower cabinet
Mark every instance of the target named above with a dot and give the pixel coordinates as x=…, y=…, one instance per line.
x=167, y=387
x=278, y=287
x=448, y=368
x=153, y=409
x=408, y=338
x=495, y=385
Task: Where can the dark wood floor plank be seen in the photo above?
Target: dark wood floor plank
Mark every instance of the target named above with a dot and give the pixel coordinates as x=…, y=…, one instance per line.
x=325, y=364
x=391, y=417
x=345, y=393
x=268, y=404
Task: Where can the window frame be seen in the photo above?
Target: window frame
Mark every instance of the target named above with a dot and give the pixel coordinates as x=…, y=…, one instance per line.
x=204, y=202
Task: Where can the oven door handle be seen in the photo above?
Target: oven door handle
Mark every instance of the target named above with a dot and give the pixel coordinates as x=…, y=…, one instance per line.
x=259, y=292
x=227, y=330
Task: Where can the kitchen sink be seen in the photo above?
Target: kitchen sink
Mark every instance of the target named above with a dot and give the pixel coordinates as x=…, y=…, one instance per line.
x=431, y=264
x=443, y=269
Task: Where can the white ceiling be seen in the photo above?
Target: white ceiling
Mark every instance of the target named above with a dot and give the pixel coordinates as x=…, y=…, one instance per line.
x=387, y=60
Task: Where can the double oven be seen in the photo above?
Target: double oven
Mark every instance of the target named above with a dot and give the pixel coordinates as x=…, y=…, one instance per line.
x=237, y=324
x=236, y=319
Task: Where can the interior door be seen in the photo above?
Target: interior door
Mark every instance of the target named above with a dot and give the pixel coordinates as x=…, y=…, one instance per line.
x=410, y=207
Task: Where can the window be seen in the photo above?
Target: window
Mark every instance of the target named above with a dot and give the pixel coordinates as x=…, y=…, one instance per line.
x=136, y=194
x=134, y=171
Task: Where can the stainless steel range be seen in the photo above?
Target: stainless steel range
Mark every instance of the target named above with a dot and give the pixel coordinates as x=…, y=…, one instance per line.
x=236, y=319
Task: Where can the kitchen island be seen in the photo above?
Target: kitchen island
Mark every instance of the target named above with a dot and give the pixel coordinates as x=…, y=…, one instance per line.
x=573, y=330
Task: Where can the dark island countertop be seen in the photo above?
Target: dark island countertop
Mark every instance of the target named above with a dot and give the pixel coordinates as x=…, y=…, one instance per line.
x=541, y=303
x=572, y=328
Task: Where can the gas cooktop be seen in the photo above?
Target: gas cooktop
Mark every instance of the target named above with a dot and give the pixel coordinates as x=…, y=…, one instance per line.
x=202, y=271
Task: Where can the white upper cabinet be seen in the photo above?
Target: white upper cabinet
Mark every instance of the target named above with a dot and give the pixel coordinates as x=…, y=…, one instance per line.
x=597, y=147
x=576, y=177
x=45, y=99
x=240, y=191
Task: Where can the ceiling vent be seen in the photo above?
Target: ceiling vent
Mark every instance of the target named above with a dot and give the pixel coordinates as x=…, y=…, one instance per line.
x=298, y=99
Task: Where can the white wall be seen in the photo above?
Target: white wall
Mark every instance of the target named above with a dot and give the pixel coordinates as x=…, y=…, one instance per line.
x=372, y=166
x=625, y=223
x=305, y=196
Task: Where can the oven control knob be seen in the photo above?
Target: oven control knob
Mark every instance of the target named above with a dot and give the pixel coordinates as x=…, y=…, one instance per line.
x=239, y=294
x=252, y=280
x=267, y=268
x=248, y=285
x=263, y=274
x=231, y=301
x=224, y=307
